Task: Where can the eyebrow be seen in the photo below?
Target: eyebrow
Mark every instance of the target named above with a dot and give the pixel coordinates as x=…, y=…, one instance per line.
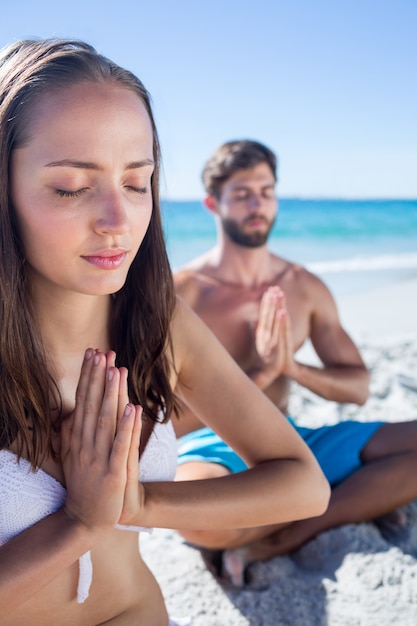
x=86, y=165
x=243, y=187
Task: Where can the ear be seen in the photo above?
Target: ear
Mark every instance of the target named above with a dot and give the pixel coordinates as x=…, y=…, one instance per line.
x=210, y=203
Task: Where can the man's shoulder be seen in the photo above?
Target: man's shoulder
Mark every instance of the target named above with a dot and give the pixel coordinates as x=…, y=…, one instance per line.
x=191, y=274
x=290, y=271
x=193, y=279
x=298, y=279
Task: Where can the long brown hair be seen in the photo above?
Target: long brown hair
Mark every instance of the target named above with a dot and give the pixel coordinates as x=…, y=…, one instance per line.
x=142, y=309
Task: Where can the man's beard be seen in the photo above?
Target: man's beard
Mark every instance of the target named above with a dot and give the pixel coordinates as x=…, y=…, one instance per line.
x=255, y=239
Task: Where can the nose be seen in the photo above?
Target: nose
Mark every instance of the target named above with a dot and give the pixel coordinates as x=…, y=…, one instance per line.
x=254, y=201
x=112, y=216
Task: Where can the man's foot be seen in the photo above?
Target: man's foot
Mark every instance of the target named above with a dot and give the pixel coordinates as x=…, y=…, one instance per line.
x=282, y=542
x=230, y=567
x=392, y=523
x=227, y=566
x=234, y=564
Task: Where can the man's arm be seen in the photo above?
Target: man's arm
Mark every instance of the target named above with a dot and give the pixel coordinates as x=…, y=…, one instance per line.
x=343, y=377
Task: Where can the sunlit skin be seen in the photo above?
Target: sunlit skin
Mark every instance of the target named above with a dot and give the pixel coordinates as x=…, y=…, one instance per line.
x=247, y=204
x=83, y=198
x=263, y=308
x=80, y=188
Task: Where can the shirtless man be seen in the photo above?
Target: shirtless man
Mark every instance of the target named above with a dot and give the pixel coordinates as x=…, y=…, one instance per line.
x=263, y=307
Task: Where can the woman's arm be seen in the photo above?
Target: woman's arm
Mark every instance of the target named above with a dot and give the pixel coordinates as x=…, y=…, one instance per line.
x=32, y=559
x=99, y=444
x=285, y=482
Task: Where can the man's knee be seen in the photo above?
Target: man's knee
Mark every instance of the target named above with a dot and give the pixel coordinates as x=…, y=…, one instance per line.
x=214, y=539
x=391, y=439
x=200, y=470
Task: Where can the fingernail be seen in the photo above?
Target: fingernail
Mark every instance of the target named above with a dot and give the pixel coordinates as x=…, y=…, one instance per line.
x=110, y=374
x=96, y=359
x=128, y=410
x=88, y=354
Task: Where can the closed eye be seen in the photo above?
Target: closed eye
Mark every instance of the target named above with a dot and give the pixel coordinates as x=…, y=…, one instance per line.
x=140, y=190
x=64, y=193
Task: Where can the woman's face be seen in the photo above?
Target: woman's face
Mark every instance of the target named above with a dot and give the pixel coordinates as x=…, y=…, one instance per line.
x=81, y=187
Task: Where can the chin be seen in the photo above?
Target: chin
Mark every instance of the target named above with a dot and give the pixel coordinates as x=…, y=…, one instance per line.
x=107, y=288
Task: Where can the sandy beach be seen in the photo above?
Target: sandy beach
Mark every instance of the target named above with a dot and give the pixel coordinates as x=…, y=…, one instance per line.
x=355, y=575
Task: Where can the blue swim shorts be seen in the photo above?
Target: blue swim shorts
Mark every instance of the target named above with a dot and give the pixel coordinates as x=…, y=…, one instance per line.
x=337, y=448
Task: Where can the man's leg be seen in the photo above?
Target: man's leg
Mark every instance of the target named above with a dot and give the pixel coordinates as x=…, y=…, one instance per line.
x=203, y=454
x=381, y=485
x=385, y=482
x=221, y=538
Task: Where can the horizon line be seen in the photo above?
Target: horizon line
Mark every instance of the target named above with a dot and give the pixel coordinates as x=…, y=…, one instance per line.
x=317, y=198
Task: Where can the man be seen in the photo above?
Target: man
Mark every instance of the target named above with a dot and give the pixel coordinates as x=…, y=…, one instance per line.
x=263, y=308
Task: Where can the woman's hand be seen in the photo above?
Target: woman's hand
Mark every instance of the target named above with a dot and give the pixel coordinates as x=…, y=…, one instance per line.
x=99, y=448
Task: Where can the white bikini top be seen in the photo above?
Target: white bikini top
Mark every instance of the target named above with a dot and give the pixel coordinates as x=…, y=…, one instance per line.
x=28, y=496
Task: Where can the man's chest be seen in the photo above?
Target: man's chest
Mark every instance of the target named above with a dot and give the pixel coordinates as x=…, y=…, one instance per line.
x=233, y=318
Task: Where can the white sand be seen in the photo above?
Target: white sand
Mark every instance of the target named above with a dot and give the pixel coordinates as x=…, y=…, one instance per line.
x=384, y=313
x=350, y=576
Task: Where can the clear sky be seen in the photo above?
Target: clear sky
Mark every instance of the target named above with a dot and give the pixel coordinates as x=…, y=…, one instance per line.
x=331, y=86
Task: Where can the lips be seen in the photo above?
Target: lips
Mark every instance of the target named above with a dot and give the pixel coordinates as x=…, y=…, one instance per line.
x=256, y=220
x=106, y=259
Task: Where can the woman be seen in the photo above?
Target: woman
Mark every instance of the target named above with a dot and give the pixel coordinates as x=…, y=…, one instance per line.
x=93, y=345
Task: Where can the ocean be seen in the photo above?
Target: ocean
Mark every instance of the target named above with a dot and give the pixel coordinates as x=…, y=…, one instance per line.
x=353, y=245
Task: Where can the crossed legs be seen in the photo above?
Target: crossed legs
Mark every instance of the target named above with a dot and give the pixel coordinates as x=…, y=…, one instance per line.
x=385, y=482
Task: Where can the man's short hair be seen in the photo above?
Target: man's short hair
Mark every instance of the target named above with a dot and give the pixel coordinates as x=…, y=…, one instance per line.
x=231, y=157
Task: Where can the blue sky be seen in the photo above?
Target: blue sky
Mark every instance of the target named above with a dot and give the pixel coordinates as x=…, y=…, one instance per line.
x=330, y=86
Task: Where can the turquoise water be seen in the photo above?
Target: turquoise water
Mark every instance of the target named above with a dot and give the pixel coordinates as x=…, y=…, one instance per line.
x=353, y=245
